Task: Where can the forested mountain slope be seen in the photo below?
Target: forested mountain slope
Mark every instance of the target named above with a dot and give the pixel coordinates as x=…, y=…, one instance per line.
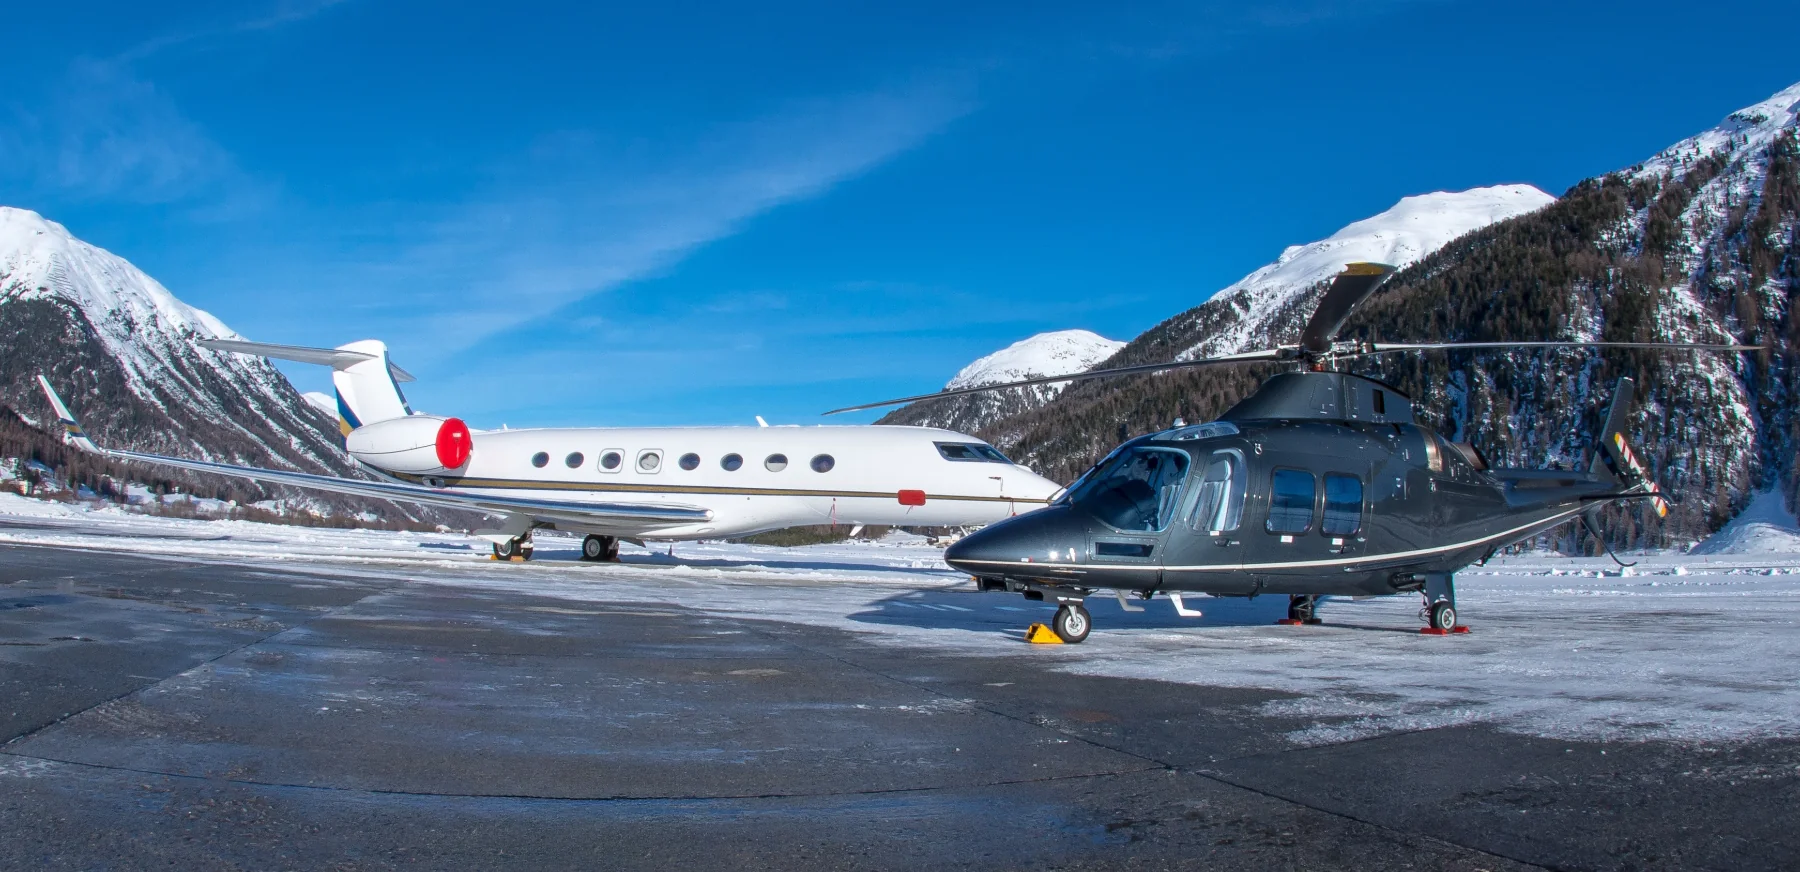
x=1697, y=243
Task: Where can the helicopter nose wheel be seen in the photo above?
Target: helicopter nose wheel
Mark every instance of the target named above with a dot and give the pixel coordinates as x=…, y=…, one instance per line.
x=602, y=549
x=1071, y=623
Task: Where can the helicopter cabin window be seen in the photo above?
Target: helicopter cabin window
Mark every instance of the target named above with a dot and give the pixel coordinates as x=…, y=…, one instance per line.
x=1134, y=490
x=1343, y=505
x=1219, y=500
x=1291, y=493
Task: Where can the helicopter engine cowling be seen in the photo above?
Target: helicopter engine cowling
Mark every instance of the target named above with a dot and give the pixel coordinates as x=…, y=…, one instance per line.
x=415, y=444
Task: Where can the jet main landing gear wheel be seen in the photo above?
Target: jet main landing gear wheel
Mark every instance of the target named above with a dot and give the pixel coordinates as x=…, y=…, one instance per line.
x=600, y=548
x=518, y=546
x=1071, y=623
x=1442, y=616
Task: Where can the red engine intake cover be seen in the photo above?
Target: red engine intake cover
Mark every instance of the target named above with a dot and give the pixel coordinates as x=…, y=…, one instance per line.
x=454, y=443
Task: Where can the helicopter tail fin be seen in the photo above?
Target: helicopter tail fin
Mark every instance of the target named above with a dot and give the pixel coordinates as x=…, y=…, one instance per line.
x=1613, y=454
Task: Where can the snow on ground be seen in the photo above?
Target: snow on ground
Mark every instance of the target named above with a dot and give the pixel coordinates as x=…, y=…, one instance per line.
x=1693, y=648
x=1763, y=527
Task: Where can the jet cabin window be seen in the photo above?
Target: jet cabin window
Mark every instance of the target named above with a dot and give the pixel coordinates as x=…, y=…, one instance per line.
x=1219, y=500
x=1135, y=490
x=1291, y=495
x=971, y=452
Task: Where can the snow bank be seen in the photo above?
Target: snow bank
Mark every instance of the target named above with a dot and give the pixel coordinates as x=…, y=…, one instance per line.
x=1763, y=527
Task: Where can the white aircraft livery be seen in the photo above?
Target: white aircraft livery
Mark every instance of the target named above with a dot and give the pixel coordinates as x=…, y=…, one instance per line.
x=634, y=483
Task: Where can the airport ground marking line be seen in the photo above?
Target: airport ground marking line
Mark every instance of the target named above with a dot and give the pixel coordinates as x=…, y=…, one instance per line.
x=429, y=794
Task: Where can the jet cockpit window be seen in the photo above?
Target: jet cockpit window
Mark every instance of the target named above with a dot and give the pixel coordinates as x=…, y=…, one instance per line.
x=1219, y=500
x=973, y=452
x=1291, y=495
x=1135, y=490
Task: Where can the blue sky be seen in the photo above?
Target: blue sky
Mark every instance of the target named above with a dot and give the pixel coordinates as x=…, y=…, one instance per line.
x=677, y=213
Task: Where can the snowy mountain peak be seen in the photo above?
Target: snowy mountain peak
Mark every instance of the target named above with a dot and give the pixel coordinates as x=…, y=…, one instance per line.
x=1751, y=128
x=1057, y=353
x=40, y=258
x=1414, y=228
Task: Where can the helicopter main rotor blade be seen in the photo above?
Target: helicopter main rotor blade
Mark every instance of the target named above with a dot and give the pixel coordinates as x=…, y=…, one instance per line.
x=1244, y=357
x=1351, y=287
x=1393, y=347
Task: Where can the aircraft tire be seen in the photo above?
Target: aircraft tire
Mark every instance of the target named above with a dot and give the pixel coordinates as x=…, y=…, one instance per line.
x=600, y=549
x=1071, y=623
x=505, y=550
x=1443, y=616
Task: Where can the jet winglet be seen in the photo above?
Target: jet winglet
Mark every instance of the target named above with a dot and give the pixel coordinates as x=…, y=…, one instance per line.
x=71, y=428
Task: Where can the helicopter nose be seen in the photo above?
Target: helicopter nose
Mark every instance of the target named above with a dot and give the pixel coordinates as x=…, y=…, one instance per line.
x=1054, y=535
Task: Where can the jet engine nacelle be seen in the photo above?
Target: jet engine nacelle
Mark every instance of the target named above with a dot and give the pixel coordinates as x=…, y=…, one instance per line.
x=415, y=443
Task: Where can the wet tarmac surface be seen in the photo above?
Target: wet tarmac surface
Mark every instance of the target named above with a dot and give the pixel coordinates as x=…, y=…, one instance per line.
x=160, y=713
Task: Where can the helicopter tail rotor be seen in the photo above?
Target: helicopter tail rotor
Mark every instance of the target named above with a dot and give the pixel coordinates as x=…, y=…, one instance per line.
x=1614, y=456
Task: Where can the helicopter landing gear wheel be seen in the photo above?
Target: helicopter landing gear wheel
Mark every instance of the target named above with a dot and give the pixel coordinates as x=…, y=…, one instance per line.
x=603, y=549
x=1442, y=617
x=1304, y=609
x=1071, y=623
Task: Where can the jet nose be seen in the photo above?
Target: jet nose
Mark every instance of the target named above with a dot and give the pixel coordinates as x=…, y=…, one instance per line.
x=1052, y=535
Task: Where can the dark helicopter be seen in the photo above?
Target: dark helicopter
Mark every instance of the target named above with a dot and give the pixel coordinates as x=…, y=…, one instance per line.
x=1319, y=484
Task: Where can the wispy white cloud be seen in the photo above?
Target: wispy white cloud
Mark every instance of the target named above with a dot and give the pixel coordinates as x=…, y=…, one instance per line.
x=576, y=219
x=282, y=13
x=105, y=132
x=110, y=134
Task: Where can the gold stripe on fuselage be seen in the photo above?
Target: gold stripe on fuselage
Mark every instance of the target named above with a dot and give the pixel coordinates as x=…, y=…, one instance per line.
x=612, y=487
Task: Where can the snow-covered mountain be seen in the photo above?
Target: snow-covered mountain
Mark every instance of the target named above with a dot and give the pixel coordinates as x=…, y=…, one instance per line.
x=1240, y=316
x=1259, y=304
x=120, y=348
x=1058, y=352
x=1701, y=242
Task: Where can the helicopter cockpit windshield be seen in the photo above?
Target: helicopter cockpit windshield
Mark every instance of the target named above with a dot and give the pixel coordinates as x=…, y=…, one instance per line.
x=1135, y=490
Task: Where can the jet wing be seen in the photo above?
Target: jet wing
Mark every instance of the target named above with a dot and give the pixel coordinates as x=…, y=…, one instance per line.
x=628, y=518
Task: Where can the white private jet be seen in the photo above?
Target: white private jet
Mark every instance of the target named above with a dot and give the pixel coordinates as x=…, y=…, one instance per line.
x=633, y=483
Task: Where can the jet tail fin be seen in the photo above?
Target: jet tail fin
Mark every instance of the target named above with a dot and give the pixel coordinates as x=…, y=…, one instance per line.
x=72, y=431
x=1613, y=455
x=367, y=382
